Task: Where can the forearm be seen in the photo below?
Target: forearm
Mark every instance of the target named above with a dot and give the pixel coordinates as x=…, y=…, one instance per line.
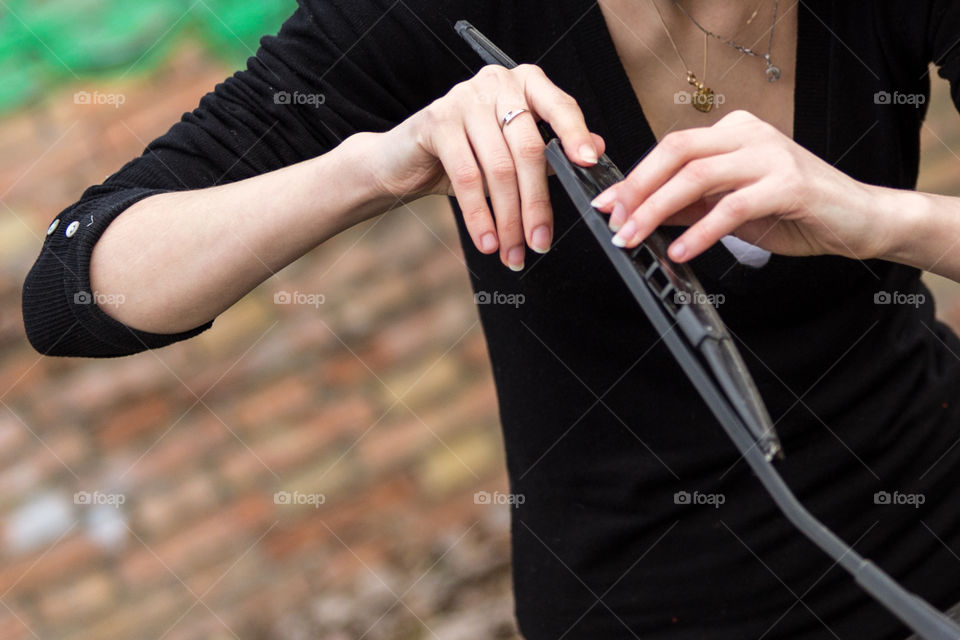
x=923, y=230
x=179, y=259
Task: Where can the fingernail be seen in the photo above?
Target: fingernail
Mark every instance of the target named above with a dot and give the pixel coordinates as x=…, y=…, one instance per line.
x=626, y=232
x=617, y=216
x=678, y=251
x=604, y=199
x=515, y=258
x=588, y=153
x=541, y=239
x=488, y=241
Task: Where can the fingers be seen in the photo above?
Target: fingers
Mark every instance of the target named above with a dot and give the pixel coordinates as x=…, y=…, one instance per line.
x=498, y=166
x=466, y=179
x=673, y=152
x=731, y=212
x=555, y=106
x=465, y=131
x=697, y=179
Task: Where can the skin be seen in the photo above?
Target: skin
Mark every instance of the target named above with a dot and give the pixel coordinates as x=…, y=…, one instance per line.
x=735, y=170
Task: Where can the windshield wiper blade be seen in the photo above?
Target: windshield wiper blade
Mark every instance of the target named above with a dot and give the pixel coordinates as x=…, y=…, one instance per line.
x=707, y=355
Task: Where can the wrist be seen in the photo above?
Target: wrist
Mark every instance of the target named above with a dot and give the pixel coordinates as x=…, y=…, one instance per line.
x=353, y=163
x=905, y=217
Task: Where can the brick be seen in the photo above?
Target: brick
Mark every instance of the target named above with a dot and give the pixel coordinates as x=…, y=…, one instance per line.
x=158, y=513
x=361, y=515
x=214, y=537
x=36, y=572
x=194, y=437
x=343, y=369
x=79, y=599
x=140, y=418
x=12, y=433
x=236, y=328
x=21, y=372
x=134, y=617
x=459, y=463
x=389, y=446
x=442, y=323
x=434, y=376
x=270, y=404
x=16, y=624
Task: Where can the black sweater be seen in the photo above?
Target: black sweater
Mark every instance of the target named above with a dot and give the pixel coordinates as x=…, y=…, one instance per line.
x=601, y=427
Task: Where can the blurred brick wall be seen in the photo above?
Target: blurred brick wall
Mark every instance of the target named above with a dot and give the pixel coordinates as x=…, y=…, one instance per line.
x=380, y=399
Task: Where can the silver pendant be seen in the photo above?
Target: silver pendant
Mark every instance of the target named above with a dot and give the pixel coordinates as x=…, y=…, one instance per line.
x=773, y=71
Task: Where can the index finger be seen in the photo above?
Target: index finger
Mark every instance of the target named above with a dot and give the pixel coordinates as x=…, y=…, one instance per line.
x=670, y=155
x=563, y=114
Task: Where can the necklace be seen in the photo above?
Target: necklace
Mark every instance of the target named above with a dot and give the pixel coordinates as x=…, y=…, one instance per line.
x=772, y=70
x=703, y=96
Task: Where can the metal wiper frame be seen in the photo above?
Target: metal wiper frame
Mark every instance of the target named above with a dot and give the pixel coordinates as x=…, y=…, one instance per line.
x=671, y=296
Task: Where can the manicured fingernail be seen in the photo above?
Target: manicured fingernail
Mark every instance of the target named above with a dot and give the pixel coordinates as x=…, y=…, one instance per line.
x=626, y=232
x=678, y=251
x=488, y=241
x=604, y=199
x=541, y=239
x=515, y=258
x=588, y=153
x=617, y=216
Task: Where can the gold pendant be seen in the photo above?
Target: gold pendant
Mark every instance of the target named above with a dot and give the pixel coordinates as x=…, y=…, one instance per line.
x=703, y=98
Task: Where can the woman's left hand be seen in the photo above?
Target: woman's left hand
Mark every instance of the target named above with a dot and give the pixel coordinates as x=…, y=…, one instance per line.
x=744, y=177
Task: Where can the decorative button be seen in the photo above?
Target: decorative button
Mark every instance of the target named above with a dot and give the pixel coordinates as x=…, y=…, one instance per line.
x=53, y=226
x=71, y=229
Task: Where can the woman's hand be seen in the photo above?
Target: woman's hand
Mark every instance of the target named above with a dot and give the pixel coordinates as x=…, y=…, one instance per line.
x=456, y=146
x=743, y=177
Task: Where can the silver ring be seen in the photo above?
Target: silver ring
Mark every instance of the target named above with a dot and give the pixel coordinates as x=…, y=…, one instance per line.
x=510, y=115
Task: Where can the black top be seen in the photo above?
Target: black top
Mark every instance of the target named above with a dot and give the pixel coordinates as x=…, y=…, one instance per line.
x=601, y=427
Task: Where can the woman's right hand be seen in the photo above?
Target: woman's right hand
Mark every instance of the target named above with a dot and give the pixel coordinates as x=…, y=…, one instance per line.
x=456, y=146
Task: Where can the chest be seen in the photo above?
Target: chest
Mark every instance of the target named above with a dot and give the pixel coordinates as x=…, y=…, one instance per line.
x=656, y=55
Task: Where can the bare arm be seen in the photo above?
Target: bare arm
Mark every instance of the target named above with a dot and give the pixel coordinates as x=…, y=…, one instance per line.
x=202, y=250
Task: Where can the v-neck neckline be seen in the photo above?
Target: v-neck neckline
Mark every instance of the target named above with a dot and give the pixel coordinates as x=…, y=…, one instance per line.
x=628, y=132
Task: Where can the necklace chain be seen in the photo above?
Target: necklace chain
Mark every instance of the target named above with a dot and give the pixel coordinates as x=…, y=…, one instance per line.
x=772, y=70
